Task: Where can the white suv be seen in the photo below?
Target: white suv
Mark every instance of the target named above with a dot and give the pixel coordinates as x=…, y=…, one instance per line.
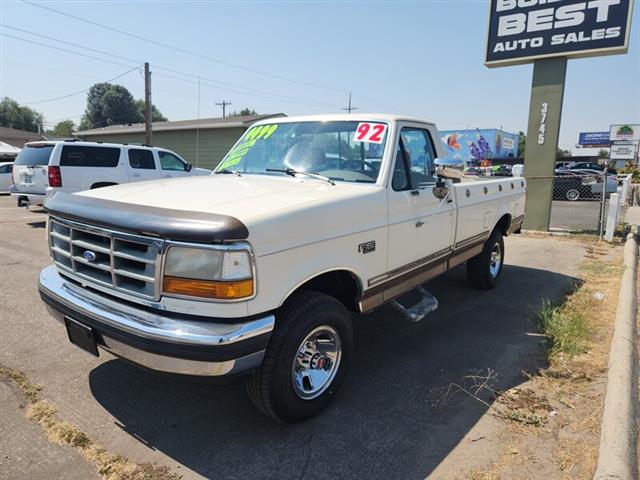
x=69, y=166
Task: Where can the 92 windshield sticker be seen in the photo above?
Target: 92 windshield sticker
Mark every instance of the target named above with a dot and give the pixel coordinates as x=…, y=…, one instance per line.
x=261, y=132
x=370, y=132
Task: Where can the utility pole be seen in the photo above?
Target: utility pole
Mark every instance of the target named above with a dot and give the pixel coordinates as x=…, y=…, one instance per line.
x=223, y=104
x=349, y=107
x=148, y=118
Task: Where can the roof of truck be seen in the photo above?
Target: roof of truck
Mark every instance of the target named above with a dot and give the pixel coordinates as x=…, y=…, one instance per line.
x=358, y=117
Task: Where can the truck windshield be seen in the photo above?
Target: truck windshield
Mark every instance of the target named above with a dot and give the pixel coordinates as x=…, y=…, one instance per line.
x=343, y=151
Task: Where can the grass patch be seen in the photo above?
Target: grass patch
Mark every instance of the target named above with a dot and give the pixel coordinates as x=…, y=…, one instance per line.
x=566, y=329
x=110, y=466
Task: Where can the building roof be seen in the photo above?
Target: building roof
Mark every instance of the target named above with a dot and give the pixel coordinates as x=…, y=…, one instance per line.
x=16, y=137
x=202, y=123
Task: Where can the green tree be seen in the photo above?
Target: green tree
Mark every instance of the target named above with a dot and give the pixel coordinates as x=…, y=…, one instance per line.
x=15, y=116
x=109, y=104
x=156, y=115
x=603, y=153
x=243, y=112
x=65, y=128
x=522, y=144
x=562, y=153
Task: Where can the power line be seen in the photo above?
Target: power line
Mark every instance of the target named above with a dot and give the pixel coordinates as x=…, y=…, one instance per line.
x=238, y=88
x=64, y=50
x=181, y=50
x=81, y=91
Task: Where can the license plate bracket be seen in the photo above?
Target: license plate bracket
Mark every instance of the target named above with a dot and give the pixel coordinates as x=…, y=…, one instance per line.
x=81, y=336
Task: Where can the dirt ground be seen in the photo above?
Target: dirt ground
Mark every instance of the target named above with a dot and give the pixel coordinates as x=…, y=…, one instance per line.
x=547, y=427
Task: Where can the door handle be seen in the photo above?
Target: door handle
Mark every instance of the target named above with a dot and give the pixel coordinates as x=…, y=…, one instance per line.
x=135, y=174
x=419, y=223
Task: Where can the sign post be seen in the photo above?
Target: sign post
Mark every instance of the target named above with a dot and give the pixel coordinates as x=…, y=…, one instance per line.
x=547, y=34
x=545, y=111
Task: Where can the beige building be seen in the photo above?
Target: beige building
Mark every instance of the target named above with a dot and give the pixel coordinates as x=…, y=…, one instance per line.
x=202, y=142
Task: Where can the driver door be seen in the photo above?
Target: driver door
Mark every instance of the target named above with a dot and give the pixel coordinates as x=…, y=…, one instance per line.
x=171, y=165
x=420, y=225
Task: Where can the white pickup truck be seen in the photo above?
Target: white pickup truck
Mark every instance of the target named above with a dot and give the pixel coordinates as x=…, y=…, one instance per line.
x=255, y=271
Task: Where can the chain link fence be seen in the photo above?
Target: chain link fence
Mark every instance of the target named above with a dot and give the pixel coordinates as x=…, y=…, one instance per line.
x=578, y=203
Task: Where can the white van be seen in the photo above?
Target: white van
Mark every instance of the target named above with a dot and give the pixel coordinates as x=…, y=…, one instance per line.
x=70, y=166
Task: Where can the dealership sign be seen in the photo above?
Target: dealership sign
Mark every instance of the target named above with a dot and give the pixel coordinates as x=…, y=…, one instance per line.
x=594, y=139
x=622, y=151
x=624, y=133
x=521, y=31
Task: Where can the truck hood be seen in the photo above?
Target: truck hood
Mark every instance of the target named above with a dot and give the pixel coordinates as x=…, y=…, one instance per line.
x=279, y=212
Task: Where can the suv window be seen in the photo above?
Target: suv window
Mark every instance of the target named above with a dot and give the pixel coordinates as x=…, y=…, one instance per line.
x=168, y=161
x=34, y=155
x=85, y=156
x=414, y=160
x=6, y=168
x=141, y=159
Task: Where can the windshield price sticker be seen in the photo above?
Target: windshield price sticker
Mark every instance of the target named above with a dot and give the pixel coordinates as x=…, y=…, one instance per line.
x=252, y=136
x=370, y=132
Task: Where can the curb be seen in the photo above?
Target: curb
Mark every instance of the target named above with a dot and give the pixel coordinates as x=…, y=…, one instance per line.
x=618, y=455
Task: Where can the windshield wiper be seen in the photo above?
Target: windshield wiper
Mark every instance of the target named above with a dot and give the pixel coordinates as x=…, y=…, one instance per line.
x=226, y=170
x=291, y=172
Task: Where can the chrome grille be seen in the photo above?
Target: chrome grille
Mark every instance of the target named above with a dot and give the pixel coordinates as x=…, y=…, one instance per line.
x=120, y=261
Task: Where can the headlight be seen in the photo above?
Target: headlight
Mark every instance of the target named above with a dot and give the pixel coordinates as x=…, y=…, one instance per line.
x=209, y=273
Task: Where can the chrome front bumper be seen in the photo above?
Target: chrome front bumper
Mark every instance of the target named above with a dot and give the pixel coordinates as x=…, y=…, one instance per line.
x=157, y=340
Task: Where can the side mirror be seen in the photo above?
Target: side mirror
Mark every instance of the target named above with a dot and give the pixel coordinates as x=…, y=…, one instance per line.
x=449, y=168
x=188, y=167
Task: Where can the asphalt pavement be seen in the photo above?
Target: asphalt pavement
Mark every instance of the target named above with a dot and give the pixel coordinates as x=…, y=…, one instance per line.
x=579, y=216
x=385, y=423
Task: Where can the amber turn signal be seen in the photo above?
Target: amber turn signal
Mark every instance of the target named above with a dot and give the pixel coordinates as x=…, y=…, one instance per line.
x=208, y=288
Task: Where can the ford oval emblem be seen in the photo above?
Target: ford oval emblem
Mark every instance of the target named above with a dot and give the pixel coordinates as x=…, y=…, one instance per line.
x=89, y=256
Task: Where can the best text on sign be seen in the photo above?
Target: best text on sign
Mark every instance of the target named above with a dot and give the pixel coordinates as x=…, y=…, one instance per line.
x=522, y=30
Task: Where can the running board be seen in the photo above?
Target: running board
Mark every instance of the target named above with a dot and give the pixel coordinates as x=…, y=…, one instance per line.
x=420, y=310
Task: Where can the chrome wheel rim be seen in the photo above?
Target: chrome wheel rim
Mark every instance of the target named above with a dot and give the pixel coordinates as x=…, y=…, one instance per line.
x=573, y=195
x=316, y=362
x=496, y=260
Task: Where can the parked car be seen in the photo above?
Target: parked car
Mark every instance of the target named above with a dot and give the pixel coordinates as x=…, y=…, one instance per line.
x=501, y=171
x=589, y=166
x=263, y=276
x=571, y=186
x=6, y=180
x=474, y=171
x=70, y=166
x=596, y=183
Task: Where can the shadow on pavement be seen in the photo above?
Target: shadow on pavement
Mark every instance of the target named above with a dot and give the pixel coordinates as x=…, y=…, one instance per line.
x=385, y=423
x=41, y=224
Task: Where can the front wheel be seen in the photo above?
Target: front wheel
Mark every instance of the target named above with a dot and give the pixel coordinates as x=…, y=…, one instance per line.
x=484, y=270
x=306, y=359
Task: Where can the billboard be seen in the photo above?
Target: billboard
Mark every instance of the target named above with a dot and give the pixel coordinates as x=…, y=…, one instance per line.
x=521, y=31
x=624, y=133
x=480, y=144
x=594, y=139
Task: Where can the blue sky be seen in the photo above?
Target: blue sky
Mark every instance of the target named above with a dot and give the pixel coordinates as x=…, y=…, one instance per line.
x=418, y=58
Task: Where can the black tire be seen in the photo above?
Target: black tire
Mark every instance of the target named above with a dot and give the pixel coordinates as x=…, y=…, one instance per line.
x=481, y=271
x=271, y=386
x=572, y=195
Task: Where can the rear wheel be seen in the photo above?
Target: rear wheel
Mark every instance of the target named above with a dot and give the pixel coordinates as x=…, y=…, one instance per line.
x=572, y=195
x=306, y=359
x=484, y=270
